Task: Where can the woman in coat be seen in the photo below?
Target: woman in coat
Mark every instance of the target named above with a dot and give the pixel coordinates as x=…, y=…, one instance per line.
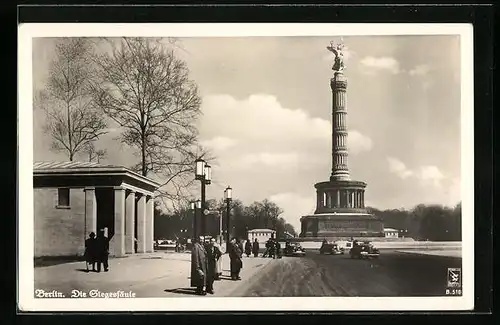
x=218, y=264
x=248, y=248
x=255, y=248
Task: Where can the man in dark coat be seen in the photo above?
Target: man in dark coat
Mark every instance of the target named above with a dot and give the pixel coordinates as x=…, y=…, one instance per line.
x=102, y=251
x=198, y=266
x=248, y=248
x=236, y=263
x=255, y=248
x=213, y=255
x=90, y=251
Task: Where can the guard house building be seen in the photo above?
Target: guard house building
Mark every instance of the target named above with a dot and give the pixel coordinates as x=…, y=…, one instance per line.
x=73, y=199
x=391, y=233
x=262, y=235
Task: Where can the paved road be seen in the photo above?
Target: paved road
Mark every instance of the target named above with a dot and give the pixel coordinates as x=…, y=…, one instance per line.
x=393, y=274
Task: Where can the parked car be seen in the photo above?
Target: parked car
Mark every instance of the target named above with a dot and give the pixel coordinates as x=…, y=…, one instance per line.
x=364, y=250
x=294, y=249
x=331, y=248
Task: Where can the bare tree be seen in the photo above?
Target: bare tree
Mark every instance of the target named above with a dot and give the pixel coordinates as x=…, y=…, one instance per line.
x=146, y=89
x=93, y=153
x=71, y=119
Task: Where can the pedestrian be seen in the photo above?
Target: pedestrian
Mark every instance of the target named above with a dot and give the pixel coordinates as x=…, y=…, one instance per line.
x=102, y=251
x=255, y=248
x=213, y=255
x=236, y=263
x=218, y=264
x=90, y=252
x=199, y=266
x=248, y=247
x=278, y=249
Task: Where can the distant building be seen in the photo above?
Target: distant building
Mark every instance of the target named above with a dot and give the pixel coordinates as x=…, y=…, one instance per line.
x=262, y=235
x=73, y=199
x=391, y=233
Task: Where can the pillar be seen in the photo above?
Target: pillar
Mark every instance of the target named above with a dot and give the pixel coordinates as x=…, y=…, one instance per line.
x=149, y=224
x=353, y=193
x=141, y=224
x=117, y=243
x=362, y=199
x=130, y=223
x=90, y=211
x=338, y=199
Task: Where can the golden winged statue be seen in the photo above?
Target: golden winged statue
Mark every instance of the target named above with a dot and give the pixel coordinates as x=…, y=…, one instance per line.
x=339, y=56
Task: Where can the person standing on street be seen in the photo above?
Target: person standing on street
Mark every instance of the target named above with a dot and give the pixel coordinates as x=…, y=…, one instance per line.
x=236, y=263
x=90, y=251
x=199, y=266
x=213, y=254
x=248, y=248
x=218, y=263
x=255, y=248
x=102, y=251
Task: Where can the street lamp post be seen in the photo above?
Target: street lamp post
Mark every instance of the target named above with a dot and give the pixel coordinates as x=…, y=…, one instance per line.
x=228, y=196
x=195, y=206
x=204, y=175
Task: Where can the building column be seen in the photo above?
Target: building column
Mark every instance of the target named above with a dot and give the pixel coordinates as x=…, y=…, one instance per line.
x=362, y=199
x=338, y=199
x=353, y=199
x=149, y=224
x=329, y=199
x=117, y=243
x=90, y=211
x=141, y=224
x=130, y=223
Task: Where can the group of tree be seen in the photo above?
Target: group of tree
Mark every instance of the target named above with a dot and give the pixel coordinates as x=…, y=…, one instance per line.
x=137, y=84
x=425, y=222
x=258, y=215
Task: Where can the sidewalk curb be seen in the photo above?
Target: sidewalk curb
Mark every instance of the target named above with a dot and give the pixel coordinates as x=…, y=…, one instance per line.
x=238, y=290
x=427, y=255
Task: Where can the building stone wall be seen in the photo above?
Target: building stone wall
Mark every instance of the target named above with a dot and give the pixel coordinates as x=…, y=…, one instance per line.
x=58, y=231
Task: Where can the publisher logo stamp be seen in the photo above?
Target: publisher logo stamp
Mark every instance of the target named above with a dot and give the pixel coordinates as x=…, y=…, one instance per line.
x=454, y=277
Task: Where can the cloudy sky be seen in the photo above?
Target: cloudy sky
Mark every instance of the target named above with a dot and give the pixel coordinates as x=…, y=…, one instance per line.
x=267, y=117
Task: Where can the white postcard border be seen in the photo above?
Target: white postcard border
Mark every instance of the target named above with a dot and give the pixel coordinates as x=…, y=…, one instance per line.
x=26, y=300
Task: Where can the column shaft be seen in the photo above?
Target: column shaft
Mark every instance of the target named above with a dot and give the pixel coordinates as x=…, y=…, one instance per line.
x=90, y=211
x=141, y=224
x=149, y=224
x=117, y=243
x=130, y=223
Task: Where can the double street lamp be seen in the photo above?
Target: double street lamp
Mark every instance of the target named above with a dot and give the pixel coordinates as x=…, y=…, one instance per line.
x=204, y=175
x=228, y=196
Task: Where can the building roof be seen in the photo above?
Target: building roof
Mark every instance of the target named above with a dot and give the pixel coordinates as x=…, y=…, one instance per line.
x=69, y=165
x=390, y=229
x=261, y=230
x=45, y=168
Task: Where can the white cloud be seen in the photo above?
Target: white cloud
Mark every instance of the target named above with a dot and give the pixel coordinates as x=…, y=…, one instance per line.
x=419, y=70
x=399, y=168
x=294, y=207
x=427, y=175
x=371, y=63
x=219, y=143
x=261, y=124
x=358, y=142
x=430, y=174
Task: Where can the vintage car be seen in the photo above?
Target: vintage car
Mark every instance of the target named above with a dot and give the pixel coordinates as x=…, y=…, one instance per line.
x=331, y=248
x=364, y=250
x=294, y=249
